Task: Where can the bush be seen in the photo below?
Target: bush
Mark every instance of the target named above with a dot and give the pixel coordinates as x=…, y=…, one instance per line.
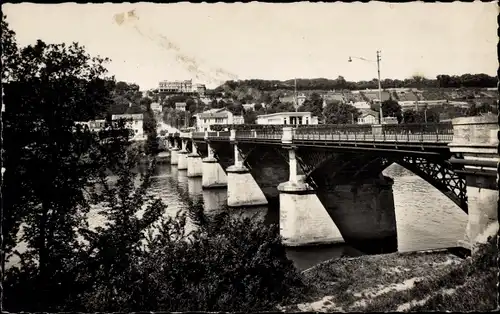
x=228, y=264
x=231, y=264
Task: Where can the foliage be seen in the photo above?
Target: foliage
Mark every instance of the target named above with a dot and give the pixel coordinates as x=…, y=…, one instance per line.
x=391, y=108
x=421, y=116
x=206, y=270
x=58, y=172
x=54, y=84
x=175, y=118
x=482, y=109
x=152, y=144
x=278, y=106
x=9, y=50
x=442, y=81
x=250, y=117
x=313, y=104
x=337, y=112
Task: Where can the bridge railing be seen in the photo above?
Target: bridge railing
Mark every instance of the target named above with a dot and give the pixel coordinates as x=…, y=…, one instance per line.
x=333, y=132
x=198, y=135
x=264, y=133
x=430, y=132
x=219, y=135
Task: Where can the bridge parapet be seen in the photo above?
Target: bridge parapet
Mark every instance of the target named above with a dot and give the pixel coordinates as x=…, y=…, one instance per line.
x=475, y=143
x=185, y=134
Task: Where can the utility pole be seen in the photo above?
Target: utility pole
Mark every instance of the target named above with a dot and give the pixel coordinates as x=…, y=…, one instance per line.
x=295, y=95
x=379, y=83
x=379, y=87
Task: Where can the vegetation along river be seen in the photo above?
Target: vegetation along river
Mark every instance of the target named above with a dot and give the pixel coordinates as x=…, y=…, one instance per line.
x=426, y=219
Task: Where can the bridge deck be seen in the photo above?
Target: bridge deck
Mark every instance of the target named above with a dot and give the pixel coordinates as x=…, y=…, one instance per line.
x=420, y=134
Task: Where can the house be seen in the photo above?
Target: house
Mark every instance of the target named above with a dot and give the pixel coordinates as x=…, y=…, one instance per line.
x=97, y=125
x=181, y=106
x=361, y=105
x=92, y=125
x=291, y=99
x=216, y=116
x=135, y=122
x=156, y=107
x=249, y=106
x=368, y=116
x=288, y=118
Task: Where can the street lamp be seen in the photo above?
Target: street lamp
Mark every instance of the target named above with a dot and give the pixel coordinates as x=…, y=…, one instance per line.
x=379, y=85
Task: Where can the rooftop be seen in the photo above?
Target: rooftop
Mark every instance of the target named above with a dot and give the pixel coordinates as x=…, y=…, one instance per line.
x=138, y=116
x=368, y=112
x=214, y=113
x=290, y=113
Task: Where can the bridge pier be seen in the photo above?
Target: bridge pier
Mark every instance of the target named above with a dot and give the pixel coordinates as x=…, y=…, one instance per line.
x=174, y=153
x=182, y=163
x=364, y=213
x=242, y=190
x=476, y=140
x=213, y=176
x=303, y=219
x=194, y=163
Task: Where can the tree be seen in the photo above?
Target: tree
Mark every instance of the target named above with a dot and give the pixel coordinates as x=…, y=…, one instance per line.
x=337, y=112
x=250, y=117
x=9, y=50
x=391, y=108
x=48, y=163
x=313, y=104
x=150, y=126
x=56, y=171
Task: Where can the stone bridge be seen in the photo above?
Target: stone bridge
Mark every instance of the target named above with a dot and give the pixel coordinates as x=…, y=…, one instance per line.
x=328, y=178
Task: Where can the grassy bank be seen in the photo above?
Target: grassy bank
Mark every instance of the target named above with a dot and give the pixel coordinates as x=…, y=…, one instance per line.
x=418, y=281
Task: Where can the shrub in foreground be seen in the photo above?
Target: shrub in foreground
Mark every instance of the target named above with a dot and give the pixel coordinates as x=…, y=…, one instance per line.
x=231, y=264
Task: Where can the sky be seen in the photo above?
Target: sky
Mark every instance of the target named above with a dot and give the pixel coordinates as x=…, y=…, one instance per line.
x=211, y=43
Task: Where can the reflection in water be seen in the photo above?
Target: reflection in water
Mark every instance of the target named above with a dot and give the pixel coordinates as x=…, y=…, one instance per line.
x=425, y=217
x=214, y=199
x=182, y=180
x=195, y=189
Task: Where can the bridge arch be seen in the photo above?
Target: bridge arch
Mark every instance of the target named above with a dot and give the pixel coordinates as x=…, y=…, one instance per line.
x=438, y=172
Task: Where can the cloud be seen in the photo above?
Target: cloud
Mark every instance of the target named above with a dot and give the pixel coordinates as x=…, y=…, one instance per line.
x=199, y=70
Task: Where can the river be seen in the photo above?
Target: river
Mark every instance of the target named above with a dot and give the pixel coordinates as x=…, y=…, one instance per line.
x=426, y=219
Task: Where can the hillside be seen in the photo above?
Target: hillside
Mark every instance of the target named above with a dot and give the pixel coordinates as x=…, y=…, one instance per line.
x=457, y=88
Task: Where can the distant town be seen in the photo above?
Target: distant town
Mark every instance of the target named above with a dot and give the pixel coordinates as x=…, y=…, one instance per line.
x=184, y=104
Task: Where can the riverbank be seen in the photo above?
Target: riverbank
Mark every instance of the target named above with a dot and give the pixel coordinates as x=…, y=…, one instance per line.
x=413, y=281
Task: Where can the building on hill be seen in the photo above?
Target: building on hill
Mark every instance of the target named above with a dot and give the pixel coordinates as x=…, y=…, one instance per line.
x=181, y=106
x=182, y=87
x=176, y=86
x=374, y=97
x=360, y=105
x=135, y=122
x=216, y=116
x=156, y=107
x=291, y=99
x=335, y=96
x=287, y=118
x=92, y=125
x=368, y=116
x=249, y=106
x=200, y=89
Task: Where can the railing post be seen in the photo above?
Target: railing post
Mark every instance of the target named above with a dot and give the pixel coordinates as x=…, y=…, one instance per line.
x=287, y=136
x=437, y=133
x=206, y=135
x=232, y=135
